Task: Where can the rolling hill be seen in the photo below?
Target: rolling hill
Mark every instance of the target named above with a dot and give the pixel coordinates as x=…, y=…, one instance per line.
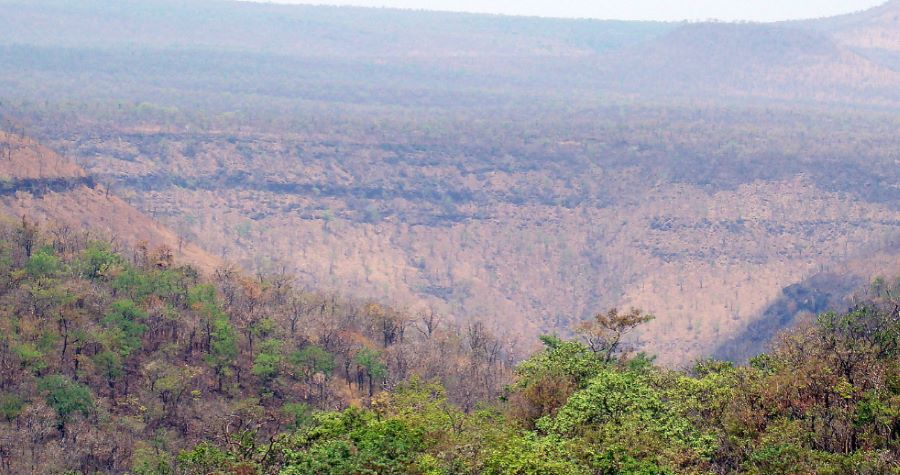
x=874, y=29
x=206, y=54
x=755, y=61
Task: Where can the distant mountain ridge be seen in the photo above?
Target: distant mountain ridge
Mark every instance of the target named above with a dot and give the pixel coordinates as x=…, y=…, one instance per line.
x=306, y=30
x=757, y=60
x=847, y=59
x=869, y=28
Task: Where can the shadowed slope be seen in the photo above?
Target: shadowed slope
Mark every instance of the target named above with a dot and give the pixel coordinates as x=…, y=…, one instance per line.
x=833, y=289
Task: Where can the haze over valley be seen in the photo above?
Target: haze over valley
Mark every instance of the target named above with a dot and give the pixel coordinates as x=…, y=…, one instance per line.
x=510, y=176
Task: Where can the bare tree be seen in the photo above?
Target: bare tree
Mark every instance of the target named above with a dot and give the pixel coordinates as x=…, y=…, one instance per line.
x=606, y=332
x=428, y=323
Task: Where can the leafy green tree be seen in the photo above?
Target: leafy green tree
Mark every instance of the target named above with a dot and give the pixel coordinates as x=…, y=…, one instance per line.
x=133, y=282
x=66, y=397
x=30, y=357
x=11, y=405
x=529, y=454
x=204, y=459
x=297, y=413
x=43, y=263
x=108, y=364
x=149, y=460
x=98, y=260
x=570, y=359
x=354, y=442
x=624, y=412
x=126, y=322
x=313, y=359
x=369, y=360
x=223, y=349
x=314, y=364
x=545, y=381
x=203, y=299
x=267, y=363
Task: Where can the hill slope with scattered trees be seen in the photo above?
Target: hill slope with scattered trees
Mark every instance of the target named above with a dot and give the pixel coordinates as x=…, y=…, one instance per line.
x=121, y=360
x=523, y=172
x=105, y=354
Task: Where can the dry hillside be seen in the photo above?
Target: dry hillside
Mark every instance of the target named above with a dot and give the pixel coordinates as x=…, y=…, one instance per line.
x=753, y=61
x=40, y=185
x=875, y=29
x=522, y=171
x=535, y=237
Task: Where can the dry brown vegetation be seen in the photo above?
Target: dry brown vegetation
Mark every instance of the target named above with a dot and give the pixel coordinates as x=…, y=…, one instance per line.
x=41, y=186
x=515, y=171
x=528, y=243
x=257, y=239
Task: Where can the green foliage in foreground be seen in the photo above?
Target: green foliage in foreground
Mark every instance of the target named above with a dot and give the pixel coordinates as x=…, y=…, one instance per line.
x=826, y=400
x=113, y=365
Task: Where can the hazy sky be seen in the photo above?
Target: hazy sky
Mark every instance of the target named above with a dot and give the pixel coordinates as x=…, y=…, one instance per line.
x=755, y=10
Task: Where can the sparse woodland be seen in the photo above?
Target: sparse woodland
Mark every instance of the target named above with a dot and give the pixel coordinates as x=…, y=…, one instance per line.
x=122, y=360
x=476, y=165
x=105, y=352
x=702, y=214
x=255, y=239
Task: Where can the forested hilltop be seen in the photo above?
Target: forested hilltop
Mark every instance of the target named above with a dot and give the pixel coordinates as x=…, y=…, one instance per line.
x=120, y=360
